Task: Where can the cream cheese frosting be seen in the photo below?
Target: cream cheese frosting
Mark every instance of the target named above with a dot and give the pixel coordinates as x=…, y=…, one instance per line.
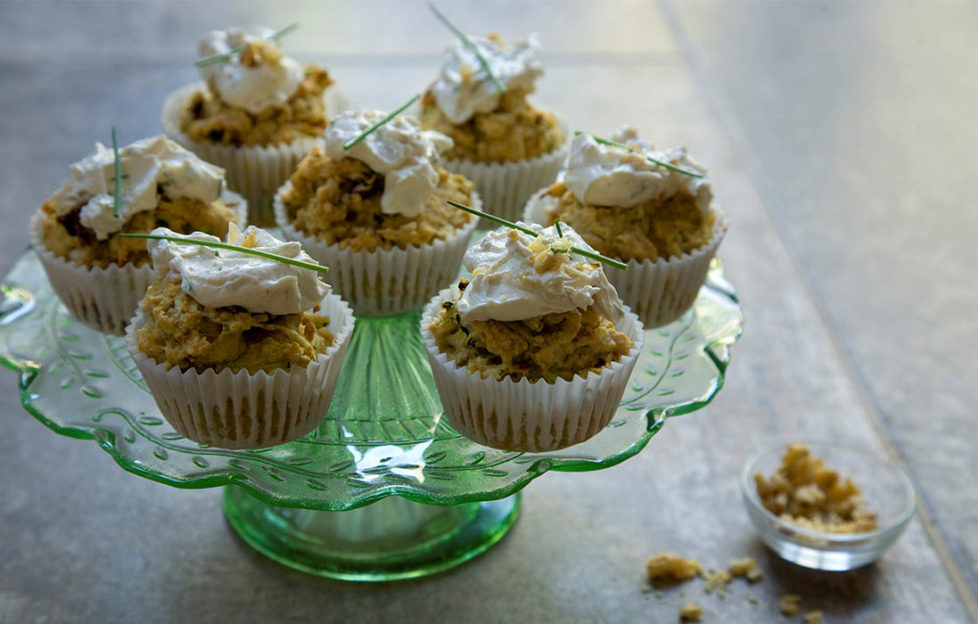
x=400, y=150
x=516, y=277
x=271, y=82
x=605, y=175
x=145, y=164
x=223, y=277
x=463, y=87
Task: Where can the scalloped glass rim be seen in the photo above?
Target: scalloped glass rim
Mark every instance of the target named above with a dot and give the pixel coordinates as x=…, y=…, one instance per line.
x=19, y=304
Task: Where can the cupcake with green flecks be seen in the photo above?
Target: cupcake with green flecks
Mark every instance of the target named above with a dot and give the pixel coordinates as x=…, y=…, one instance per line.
x=99, y=274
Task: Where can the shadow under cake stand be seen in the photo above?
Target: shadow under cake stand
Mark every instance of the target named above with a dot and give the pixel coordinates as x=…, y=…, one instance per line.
x=384, y=488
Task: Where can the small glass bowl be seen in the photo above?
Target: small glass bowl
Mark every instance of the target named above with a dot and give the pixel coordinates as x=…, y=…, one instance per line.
x=887, y=491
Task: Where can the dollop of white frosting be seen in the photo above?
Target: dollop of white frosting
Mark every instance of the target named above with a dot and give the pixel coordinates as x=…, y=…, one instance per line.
x=516, y=277
x=463, y=87
x=144, y=165
x=251, y=88
x=400, y=150
x=605, y=175
x=223, y=277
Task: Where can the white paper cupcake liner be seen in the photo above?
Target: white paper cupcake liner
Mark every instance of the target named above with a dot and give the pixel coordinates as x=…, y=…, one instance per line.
x=505, y=187
x=104, y=299
x=385, y=281
x=525, y=416
x=256, y=172
x=661, y=291
x=241, y=410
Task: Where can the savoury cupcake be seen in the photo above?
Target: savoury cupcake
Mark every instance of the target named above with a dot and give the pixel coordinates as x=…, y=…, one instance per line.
x=372, y=206
x=239, y=351
x=534, y=351
x=99, y=275
x=503, y=143
x=257, y=112
x=653, y=210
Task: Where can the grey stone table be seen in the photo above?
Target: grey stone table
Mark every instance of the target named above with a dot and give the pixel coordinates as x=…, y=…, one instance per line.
x=840, y=137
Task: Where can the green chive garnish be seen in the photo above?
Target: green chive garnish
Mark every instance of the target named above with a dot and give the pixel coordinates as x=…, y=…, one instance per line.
x=471, y=46
x=284, y=31
x=218, y=245
x=669, y=166
x=583, y=252
x=220, y=58
x=118, y=174
x=596, y=256
x=380, y=123
x=557, y=227
x=493, y=218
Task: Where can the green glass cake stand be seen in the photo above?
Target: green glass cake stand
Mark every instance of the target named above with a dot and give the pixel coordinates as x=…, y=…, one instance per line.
x=384, y=488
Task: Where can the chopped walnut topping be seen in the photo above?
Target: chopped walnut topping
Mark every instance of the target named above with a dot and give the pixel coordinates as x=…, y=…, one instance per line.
x=258, y=52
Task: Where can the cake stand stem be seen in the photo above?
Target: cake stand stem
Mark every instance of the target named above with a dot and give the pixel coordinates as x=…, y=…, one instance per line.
x=391, y=539
x=386, y=382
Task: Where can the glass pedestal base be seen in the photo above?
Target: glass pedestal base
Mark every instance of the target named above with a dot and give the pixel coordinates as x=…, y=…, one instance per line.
x=391, y=539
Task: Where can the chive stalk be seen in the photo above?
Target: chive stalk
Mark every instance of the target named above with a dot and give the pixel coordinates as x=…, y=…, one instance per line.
x=224, y=56
x=470, y=45
x=238, y=248
x=380, y=123
x=583, y=252
x=661, y=163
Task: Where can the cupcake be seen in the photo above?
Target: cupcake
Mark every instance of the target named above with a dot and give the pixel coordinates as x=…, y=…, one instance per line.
x=653, y=210
x=239, y=351
x=534, y=351
x=257, y=112
x=98, y=275
x=376, y=212
x=503, y=143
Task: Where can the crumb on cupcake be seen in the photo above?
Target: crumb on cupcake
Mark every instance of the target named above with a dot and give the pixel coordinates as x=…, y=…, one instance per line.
x=663, y=227
x=630, y=207
x=533, y=353
x=485, y=124
x=163, y=185
x=490, y=328
x=514, y=130
x=183, y=333
x=551, y=346
x=339, y=201
x=256, y=97
x=67, y=238
x=180, y=328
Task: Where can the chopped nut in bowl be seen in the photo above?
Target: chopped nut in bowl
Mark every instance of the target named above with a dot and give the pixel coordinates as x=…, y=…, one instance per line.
x=826, y=507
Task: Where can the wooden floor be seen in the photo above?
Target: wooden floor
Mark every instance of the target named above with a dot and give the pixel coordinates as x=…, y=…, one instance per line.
x=841, y=139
